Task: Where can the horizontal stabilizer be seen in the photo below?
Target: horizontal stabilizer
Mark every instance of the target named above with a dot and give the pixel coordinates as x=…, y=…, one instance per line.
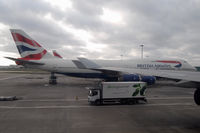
x=88, y=63
x=24, y=62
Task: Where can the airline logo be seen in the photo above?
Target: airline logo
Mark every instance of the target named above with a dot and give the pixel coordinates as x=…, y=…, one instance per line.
x=27, y=47
x=176, y=63
x=161, y=64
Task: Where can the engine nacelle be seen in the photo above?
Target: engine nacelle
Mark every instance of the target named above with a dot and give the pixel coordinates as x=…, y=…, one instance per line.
x=150, y=80
x=135, y=77
x=130, y=77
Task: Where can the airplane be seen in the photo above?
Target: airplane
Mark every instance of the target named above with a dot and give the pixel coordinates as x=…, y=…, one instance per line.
x=33, y=55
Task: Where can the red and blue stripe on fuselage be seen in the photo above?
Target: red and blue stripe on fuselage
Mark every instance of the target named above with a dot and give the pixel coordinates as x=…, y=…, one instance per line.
x=178, y=63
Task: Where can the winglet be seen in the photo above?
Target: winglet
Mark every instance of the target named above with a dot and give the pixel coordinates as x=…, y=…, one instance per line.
x=88, y=63
x=56, y=54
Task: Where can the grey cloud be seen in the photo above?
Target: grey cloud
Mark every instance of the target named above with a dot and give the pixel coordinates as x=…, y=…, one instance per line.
x=29, y=16
x=168, y=28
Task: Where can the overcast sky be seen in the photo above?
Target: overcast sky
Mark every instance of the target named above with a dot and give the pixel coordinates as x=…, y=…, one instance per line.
x=105, y=29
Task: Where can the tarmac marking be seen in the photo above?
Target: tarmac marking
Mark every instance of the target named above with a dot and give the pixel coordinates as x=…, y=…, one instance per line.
x=53, y=100
x=45, y=107
x=12, y=77
x=89, y=106
x=170, y=104
x=84, y=99
x=168, y=98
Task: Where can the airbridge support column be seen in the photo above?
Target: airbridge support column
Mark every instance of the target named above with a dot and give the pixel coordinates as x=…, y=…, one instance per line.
x=52, y=79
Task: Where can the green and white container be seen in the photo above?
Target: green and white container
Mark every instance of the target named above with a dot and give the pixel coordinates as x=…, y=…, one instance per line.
x=123, y=92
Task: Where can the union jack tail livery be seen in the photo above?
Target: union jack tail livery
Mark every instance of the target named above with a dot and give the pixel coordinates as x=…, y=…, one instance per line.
x=28, y=48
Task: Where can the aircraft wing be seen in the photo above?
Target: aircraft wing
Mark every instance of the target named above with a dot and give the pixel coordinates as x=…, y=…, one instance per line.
x=172, y=74
x=24, y=62
x=88, y=63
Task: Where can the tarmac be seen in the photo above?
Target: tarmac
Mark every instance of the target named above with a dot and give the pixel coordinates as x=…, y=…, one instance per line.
x=63, y=108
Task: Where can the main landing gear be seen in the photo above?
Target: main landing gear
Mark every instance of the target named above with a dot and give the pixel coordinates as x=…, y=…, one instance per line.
x=52, y=79
x=197, y=96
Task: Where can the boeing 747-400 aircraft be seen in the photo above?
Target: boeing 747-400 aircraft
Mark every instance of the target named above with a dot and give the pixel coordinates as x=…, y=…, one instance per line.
x=33, y=55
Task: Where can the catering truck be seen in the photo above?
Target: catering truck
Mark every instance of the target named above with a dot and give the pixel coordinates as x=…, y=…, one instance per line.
x=117, y=92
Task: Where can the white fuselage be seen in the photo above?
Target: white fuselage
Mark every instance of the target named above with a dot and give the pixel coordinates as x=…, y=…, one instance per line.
x=61, y=66
x=67, y=67
x=147, y=64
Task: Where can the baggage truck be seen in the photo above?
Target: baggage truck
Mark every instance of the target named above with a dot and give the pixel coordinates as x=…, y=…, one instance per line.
x=117, y=92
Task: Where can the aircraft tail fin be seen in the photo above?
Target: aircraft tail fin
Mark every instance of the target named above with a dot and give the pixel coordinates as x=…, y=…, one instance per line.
x=28, y=48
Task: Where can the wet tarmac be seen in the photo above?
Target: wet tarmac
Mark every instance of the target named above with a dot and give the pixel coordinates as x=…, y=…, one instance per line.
x=63, y=108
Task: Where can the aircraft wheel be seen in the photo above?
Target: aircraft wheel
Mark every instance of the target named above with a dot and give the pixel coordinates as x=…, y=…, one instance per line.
x=132, y=101
x=197, y=96
x=97, y=102
x=123, y=101
x=52, y=82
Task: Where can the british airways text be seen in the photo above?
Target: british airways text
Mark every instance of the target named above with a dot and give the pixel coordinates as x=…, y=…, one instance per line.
x=154, y=66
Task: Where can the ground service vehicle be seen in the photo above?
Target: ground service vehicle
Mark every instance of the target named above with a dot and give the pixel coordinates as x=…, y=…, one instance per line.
x=117, y=92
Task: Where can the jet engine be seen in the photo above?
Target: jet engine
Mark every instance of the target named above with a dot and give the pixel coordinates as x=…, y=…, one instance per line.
x=130, y=77
x=135, y=77
x=150, y=80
